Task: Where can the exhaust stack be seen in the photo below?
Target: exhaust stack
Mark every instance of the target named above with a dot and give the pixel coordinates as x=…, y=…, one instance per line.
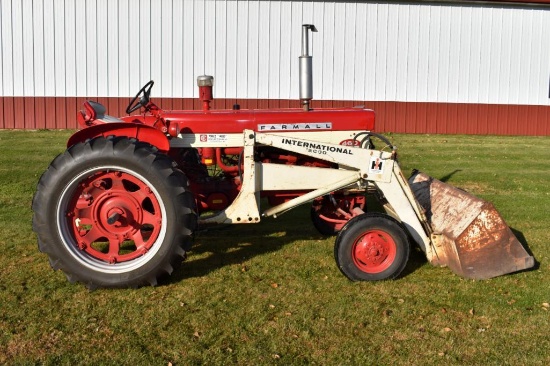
x=306, y=71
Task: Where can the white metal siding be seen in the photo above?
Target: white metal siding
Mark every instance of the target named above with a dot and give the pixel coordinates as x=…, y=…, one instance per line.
x=381, y=51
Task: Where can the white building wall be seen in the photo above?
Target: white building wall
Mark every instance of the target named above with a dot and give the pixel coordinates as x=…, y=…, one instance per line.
x=381, y=51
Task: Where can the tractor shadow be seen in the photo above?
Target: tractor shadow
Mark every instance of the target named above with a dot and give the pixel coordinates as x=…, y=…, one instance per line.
x=521, y=238
x=216, y=247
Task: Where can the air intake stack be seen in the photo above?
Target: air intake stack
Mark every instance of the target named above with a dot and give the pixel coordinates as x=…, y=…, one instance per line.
x=306, y=70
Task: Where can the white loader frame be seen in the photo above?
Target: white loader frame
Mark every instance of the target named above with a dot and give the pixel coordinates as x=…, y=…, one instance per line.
x=358, y=167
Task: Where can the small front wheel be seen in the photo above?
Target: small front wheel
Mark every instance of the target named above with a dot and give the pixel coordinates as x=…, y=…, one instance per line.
x=372, y=247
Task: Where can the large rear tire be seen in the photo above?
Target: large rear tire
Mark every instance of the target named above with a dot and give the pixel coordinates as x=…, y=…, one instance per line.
x=372, y=247
x=113, y=212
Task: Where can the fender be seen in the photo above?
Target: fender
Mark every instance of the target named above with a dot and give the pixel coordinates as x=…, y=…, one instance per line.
x=143, y=133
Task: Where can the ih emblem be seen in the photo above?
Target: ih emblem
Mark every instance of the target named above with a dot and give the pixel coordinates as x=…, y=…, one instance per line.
x=376, y=165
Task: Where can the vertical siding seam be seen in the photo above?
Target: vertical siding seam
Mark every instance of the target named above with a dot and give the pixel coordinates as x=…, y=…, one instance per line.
x=1, y=60
x=193, y=42
x=354, y=63
x=21, y=45
x=343, y=75
x=499, y=65
x=322, y=43
x=333, y=53
x=95, y=53
x=280, y=46
x=268, y=88
x=32, y=49
x=138, y=43
x=258, y=54
x=418, y=53
x=108, y=82
x=508, y=86
x=375, y=37
x=64, y=50
x=406, y=73
x=428, y=57
x=236, y=86
x=247, y=92
x=172, y=87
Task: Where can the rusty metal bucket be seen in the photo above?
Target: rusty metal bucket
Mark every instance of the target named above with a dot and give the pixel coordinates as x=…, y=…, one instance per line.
x=469, y=235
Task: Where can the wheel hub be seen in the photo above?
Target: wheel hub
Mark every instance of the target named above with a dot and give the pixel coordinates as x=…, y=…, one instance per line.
x=117, y=213
x=374, y=251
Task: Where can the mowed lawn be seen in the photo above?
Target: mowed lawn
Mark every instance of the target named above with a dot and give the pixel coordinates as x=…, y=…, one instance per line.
x=271, y=293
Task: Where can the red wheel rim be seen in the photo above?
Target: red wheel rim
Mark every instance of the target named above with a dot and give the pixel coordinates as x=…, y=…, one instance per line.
x=114, y=216
x=374, y=251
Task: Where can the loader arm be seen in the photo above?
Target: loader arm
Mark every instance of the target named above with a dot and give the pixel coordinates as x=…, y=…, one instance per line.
x=467, y=241
x=358, y=168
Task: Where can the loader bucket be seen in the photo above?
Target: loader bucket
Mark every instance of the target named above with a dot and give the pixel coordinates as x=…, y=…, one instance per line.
x=469, y=235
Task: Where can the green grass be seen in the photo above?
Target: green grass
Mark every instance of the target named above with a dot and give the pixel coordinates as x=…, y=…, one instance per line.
x=272, y=294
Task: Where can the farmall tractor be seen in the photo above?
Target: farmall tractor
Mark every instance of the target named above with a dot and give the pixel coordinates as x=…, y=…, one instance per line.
x=119, y=207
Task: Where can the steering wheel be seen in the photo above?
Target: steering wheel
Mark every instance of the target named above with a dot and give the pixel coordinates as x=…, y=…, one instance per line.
x=143, y=100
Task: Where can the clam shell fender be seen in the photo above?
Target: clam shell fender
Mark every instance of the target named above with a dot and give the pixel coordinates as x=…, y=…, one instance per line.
x=143, y=133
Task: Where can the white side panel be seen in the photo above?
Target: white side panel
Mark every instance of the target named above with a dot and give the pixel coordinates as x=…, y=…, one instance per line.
x=177, y=49
x=17, y=42
x=166, y=36
x=274, y=53
x=49, y=48
x=71, y=49
x=230, y=40
x=188, y=19
x=242, y=49
x=38, y=52
x=359, y=82
x=28, y=51
x=155, y=49
x=59, y=48
x=1, y=54
x=210, y=28
x=7, y=48
x=294, y=25
x=327, y=62
x=370, y=51
x=144, y=41
x=82, y=51
x=387, y=51
x=474, y=43
x=220, y=70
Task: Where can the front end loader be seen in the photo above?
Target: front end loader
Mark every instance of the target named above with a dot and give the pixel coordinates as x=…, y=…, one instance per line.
x=119, y=207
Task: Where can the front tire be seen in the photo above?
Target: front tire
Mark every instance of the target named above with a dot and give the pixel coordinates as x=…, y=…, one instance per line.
x=372, y=247
x=113, y=212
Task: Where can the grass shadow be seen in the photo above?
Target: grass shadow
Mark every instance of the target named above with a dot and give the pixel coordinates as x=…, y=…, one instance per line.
x=521, y=238
x=445, y=178
x=219, y=246
x=417, y=259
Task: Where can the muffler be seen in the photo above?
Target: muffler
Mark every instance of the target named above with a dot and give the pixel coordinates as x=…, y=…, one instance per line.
x=469, y=235
x=306, y=68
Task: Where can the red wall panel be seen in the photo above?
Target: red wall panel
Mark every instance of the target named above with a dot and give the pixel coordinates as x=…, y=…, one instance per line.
x=399, y=117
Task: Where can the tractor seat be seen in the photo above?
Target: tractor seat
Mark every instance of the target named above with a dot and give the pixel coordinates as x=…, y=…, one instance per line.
x=96, y=111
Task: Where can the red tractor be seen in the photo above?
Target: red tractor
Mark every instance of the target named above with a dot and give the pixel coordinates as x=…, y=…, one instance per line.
x=119, y=207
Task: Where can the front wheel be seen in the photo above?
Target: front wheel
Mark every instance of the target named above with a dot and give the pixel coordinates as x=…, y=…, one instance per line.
x=371, y=247
x=113, y=212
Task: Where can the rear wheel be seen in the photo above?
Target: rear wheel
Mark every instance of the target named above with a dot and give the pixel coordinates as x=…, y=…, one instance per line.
x=113, y=212
x=372, y=247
